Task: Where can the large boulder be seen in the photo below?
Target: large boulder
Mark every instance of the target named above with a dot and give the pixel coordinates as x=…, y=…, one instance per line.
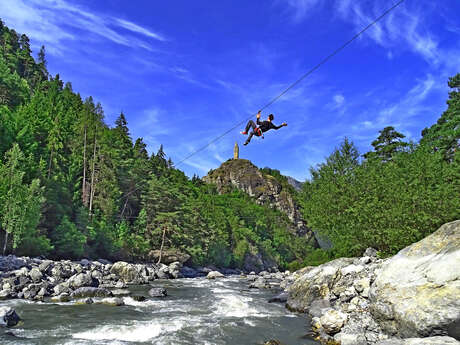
x=91, y=292
x=127, y=272
x=315, y=283
x=169, y=256
x=8, y=317
x=80, y=279
x=417, y=292
x=214, y=275
x=421, y=341
x=158, y=292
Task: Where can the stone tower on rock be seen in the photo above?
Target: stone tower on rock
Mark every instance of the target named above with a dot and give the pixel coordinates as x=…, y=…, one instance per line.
x=236, y=151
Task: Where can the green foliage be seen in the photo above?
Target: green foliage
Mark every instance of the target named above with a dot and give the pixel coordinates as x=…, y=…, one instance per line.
x=20, y=202
x=387, y=144
x=392, y=199
x=69, y=241
x=444, y=135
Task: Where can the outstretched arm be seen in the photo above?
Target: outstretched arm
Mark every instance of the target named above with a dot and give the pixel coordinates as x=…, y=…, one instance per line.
x=258, y=117
x=278, y=127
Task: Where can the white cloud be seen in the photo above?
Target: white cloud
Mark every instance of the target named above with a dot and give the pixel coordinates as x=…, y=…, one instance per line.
x=136, y=28
x=339, y=99
x=300, y=8
x=53, y=22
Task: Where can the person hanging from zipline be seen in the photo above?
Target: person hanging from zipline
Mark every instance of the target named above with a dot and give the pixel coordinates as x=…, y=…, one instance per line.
x=261, y=127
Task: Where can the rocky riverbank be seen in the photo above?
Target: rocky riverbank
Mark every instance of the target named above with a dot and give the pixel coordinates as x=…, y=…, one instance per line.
x=412, y=298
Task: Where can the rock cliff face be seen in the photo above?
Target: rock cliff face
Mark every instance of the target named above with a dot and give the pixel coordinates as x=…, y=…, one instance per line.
x=264, y=188
x=414, y=295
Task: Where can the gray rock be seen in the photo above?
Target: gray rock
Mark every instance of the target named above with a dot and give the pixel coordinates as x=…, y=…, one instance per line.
x=87, y=300
x=315, y=283
x=260, y=283
x=188, y=272
x=371, y=252
x=128, y=273
x=214, y=275
x=138, y=298
x=91, y=292
x=85, y=262
x=5, y=294
x=121, y=292
x=104, y=262
x=332, y=321
x=61, y=288
x=35, y=274
x=437, y=340
x=113, y=301
x=169, y=256
x=63, y=297
x=318, y=307
x=280, y=298
x=417, y=292
x=8, y=317
x=174, y=269
x=46, y=266
x=454, y=330
x=80, y=279
x=158, y=292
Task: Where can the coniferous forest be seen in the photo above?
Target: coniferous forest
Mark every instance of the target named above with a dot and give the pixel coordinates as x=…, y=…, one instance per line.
x=72, y=186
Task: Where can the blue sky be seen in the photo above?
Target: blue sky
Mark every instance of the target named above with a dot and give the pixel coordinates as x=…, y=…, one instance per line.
x=183, y=72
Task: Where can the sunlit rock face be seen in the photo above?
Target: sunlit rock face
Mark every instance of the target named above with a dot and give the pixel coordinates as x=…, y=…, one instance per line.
x=417, y=292
x=264, y=188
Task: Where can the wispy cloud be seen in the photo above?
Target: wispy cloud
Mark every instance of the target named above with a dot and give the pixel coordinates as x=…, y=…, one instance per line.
x=52, y=22
x=300, y=8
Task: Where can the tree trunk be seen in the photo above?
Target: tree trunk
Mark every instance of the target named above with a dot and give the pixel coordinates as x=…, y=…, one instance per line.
x=84, y=192
x=49, y=165
x=162, y=243
x=92, y=178
x=6, y=242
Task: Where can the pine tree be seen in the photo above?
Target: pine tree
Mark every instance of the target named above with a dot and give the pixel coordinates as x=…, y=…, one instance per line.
x=387, y=144
x=444, y=136
x=20, y=204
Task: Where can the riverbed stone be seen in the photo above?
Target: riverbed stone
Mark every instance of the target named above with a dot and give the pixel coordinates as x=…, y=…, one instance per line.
x=63, y=297
x=113, y=301
x=8, y=317
x=214, y=275
x=332, y=321
x=280, y=298
x=35, y=274
x=138, y=298
x=174, y=269
x=169, y=256
x=314, y=283
x=417, y=292
x=91, y=292
x=437, y=340
x=128, y=273
x=121, y=292
x=158, y=292
x=80, y=279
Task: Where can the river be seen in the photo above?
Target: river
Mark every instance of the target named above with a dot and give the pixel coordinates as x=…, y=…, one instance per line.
x=196, y=311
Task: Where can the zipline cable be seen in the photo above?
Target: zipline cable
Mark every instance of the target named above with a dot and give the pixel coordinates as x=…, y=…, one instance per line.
x=322, y=62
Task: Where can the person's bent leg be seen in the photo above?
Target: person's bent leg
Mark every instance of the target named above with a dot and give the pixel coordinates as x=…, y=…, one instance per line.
x=249, y=138
x=249, y=125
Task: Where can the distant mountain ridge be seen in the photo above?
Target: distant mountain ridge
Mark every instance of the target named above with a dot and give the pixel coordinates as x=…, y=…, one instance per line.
x=294, y=183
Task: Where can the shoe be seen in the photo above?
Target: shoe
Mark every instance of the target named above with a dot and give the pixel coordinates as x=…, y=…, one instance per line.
x=245, y=143
x=244, y=133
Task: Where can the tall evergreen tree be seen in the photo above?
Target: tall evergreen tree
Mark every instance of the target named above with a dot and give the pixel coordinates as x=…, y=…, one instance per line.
x=387, y=144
